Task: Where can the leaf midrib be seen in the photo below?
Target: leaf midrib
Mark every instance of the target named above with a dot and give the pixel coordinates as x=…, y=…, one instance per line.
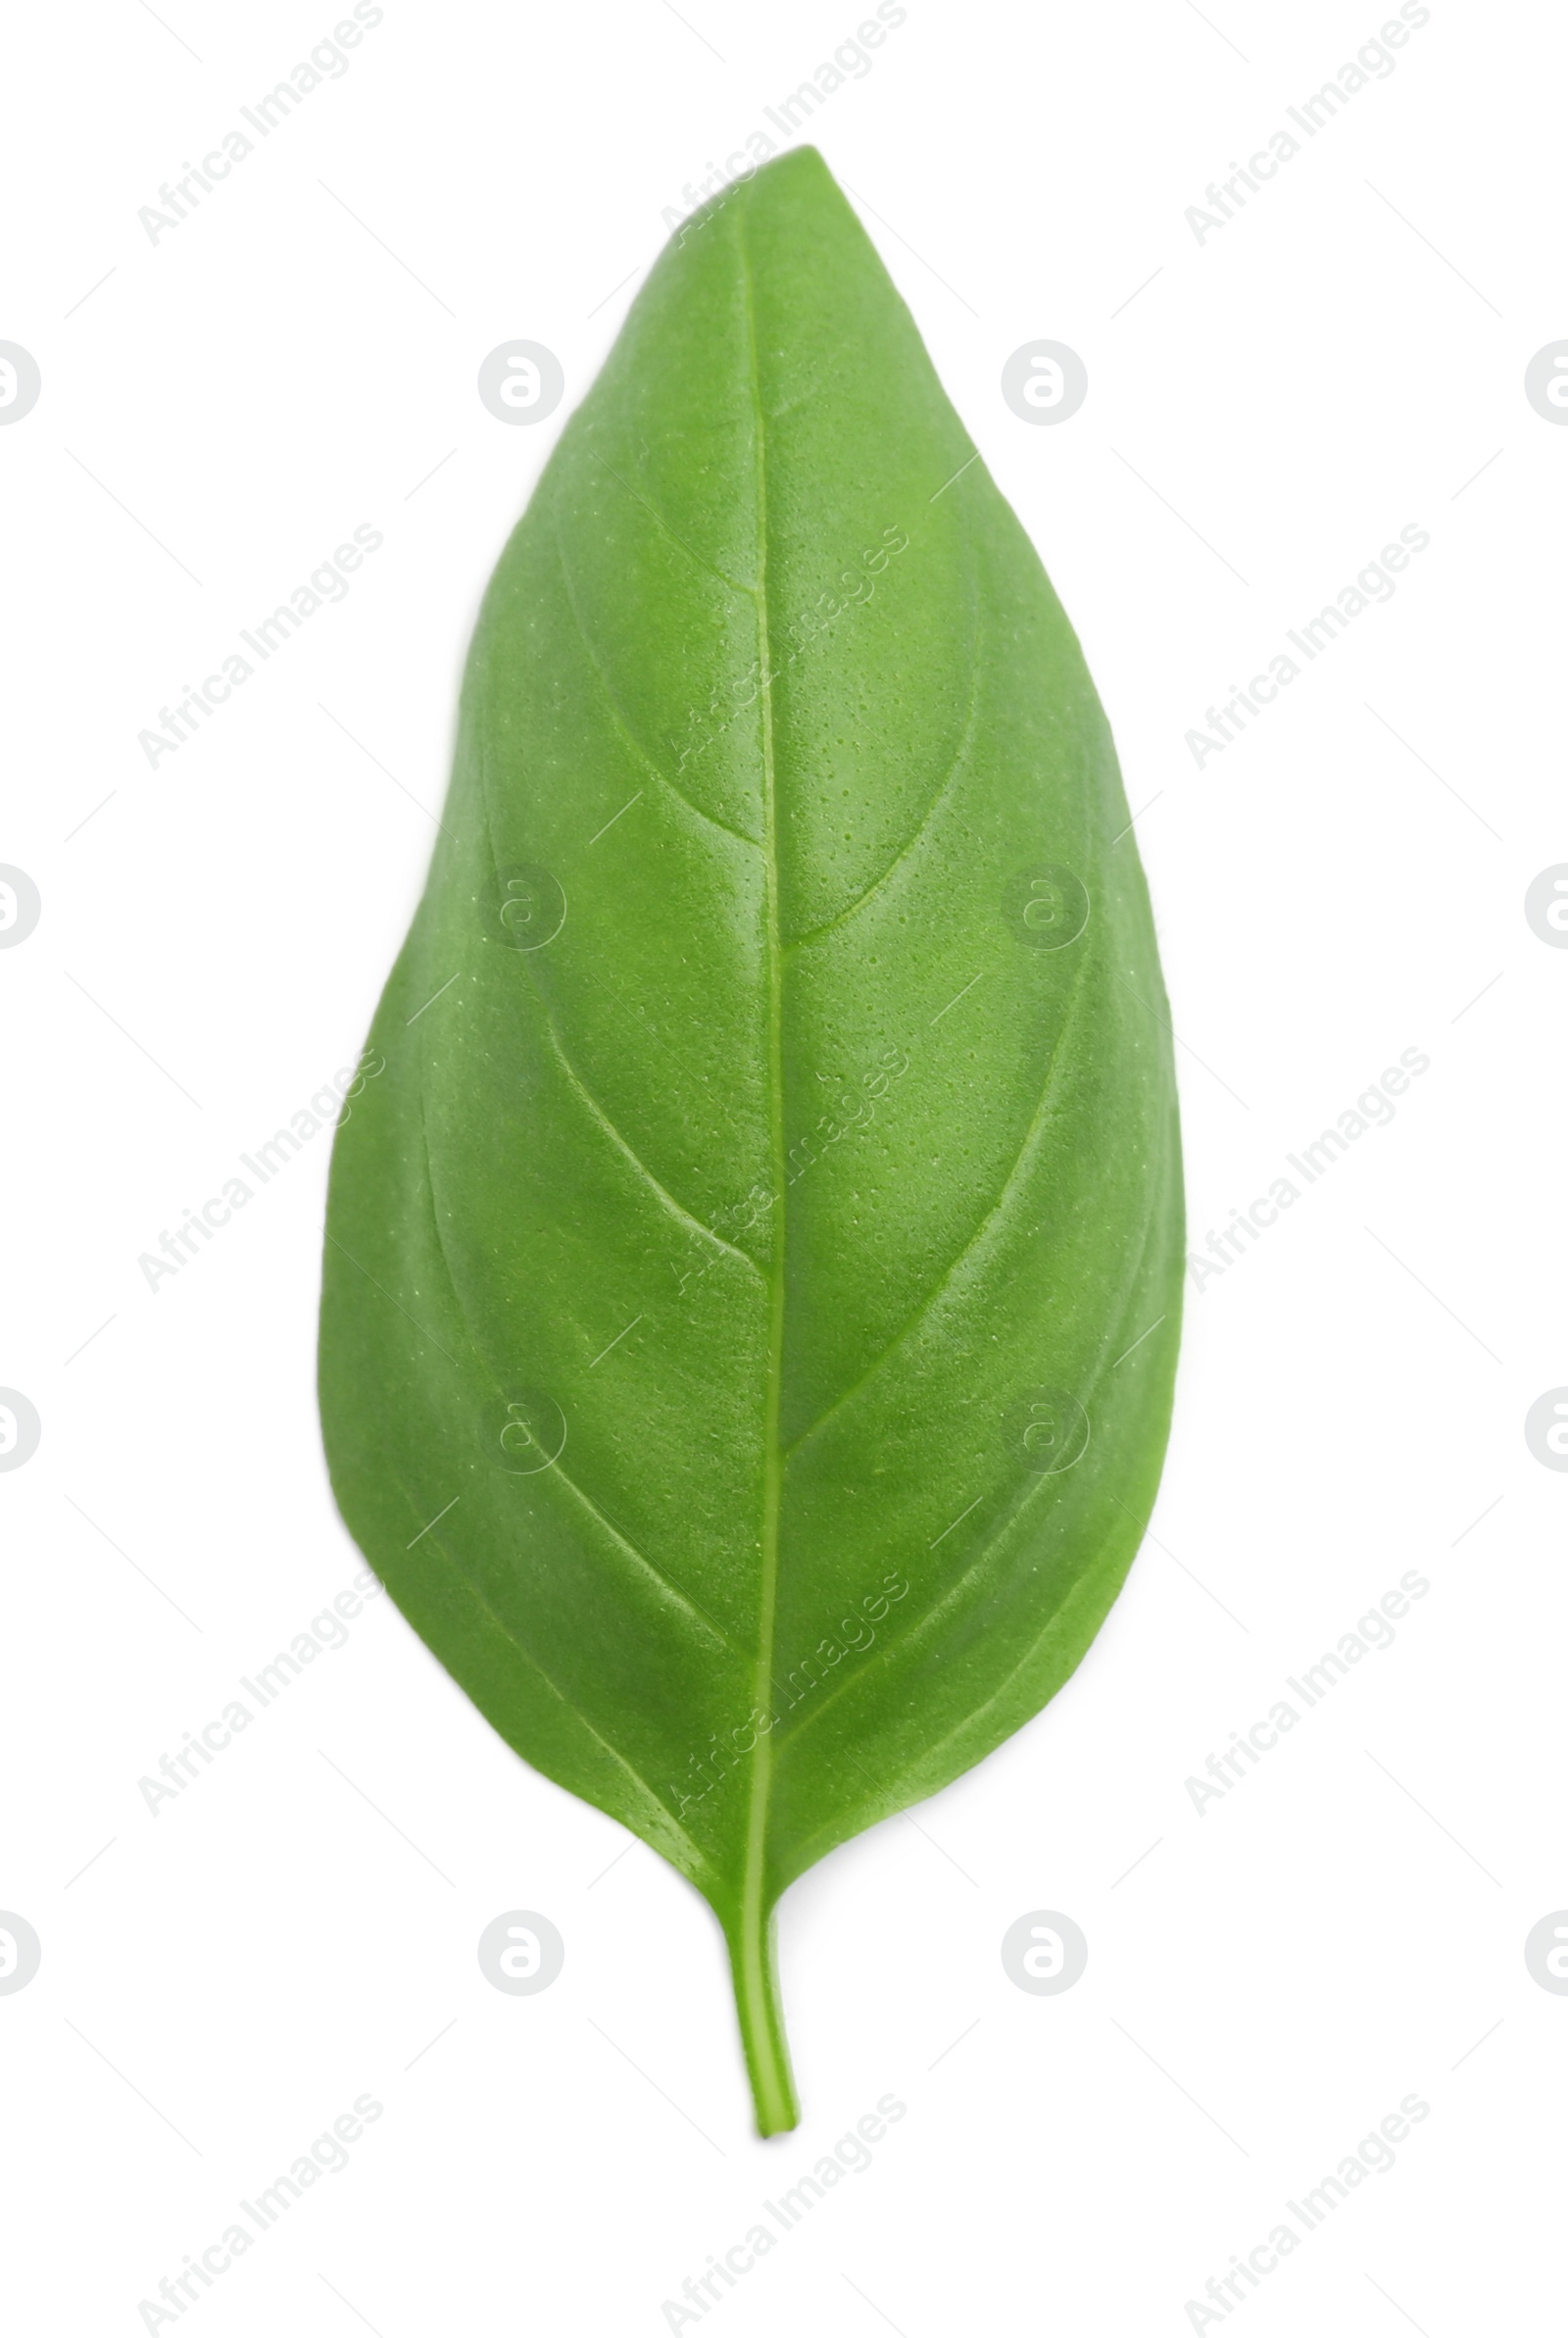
x=753, y=1910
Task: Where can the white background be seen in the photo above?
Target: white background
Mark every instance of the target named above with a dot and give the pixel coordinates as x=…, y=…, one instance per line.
x=1346, y=1926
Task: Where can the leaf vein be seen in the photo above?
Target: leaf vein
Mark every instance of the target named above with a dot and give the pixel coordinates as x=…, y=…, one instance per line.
x=663, y=1192
x=977, y=1557
x=624, y=727
x=513, y=1640
x=733, y=582
x=752, y=1989
x=921, y=832
x=987, y=1223
x=677, y=1209
x=655, y=1575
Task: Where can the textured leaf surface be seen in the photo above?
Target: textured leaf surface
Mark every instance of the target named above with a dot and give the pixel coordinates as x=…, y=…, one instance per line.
x=763, y=1247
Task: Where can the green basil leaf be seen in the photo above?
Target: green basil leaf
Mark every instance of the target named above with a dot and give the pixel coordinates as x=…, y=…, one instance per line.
x=754, y=1253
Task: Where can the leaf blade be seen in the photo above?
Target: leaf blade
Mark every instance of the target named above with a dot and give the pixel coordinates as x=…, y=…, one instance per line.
x=757, y=1149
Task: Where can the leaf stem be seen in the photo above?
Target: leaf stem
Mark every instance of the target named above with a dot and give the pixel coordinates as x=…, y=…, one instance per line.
x=753, y=1963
